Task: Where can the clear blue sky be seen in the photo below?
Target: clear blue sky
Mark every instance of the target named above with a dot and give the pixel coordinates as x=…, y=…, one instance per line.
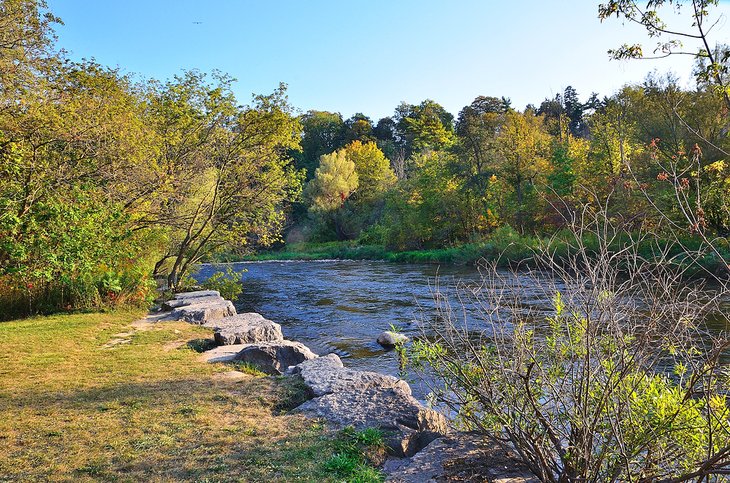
x=347, y=56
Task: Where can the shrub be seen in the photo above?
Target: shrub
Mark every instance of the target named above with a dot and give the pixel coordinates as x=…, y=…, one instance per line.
x=228, y=283
x=619, y=381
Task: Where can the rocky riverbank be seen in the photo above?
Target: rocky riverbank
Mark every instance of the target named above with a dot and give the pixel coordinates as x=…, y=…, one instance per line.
x=421, y=444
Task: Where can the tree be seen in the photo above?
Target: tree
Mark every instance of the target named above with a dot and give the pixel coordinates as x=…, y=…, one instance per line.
x=373, y=170
x=230, y=177
x=428, y=208
x=26, y=46
x=427, y=126
x=522, y=148
x=334, y=181
x=388, y=140
x=477, y=127
x=322, y=133
x=564, y=113
x=358, y=128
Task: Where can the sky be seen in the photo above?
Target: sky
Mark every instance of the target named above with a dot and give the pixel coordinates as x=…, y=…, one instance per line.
x=349, y=57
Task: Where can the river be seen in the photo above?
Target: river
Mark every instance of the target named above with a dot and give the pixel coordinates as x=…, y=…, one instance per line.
x=341, y=306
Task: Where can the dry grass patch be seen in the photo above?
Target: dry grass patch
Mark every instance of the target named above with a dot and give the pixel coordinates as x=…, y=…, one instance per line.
x=74, y=411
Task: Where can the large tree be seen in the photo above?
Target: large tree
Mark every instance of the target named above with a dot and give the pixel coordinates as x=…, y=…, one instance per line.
x=522, y=148
x=322, y=133
x=228, y=172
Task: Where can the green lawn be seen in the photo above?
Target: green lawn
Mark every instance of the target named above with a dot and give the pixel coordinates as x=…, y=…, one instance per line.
x=147, y=410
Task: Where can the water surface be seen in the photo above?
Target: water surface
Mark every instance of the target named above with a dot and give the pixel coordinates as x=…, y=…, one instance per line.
x=341, y=306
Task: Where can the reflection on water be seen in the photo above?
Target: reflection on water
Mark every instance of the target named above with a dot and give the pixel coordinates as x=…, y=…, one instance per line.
x=341, y=306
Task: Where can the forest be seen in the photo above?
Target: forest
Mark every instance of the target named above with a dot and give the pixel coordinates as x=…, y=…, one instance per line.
x=112, y=184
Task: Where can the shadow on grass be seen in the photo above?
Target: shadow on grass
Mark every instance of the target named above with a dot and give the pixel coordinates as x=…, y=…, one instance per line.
x=201, y=345
x=180, y=429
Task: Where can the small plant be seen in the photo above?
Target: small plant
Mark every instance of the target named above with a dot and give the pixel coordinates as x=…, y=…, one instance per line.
x=343, y=464
x=370, y=437
x=293, y=392
x=201, y=345
x=357, y=454
x=228, y=283
x=110, y=283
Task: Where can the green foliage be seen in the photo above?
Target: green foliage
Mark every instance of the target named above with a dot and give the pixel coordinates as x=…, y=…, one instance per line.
x=334, y=181
x=373, y=171
x=584, y=400
x=351, y=461
x=229, y=283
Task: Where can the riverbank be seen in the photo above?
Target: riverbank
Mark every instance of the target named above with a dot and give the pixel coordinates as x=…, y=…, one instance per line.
x=107, y=396
x=506, y=249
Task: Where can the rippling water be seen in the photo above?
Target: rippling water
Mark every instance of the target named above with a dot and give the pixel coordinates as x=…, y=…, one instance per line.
x=341, y=306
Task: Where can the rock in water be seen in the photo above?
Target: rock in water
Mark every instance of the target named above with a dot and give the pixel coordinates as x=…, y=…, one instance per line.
x=275, y=357
x=391, y=339
x=248, y=328
x=326, y=374
x=407, y=425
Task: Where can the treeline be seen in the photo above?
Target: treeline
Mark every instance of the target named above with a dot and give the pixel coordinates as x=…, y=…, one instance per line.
x=110, y=184
x=107, y=183
x=449, y=181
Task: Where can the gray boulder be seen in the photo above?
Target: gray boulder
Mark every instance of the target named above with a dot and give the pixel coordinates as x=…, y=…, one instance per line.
x=248, y=328
x=200, y=313
x=326, y=374
x=197, y=294
x=391, y=339
x=177, y=303
x=408, y=426
x=459, y=457
x=275, y=357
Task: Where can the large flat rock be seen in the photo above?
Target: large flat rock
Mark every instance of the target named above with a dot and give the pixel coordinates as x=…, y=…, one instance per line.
x=245, y=328
x=177, y=303
x=407, y=424
x=204, y=311
x=197, y=294
x=224, y=353
x=275, y=357
x=460, y=457
x=326, y=375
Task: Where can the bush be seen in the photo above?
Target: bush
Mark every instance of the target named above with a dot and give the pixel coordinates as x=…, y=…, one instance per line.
x=228, y=283
x=620, y=381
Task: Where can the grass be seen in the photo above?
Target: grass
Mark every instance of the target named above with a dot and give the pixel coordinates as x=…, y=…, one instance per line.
x=146, y=410
x=358, y=453
x=505, y=246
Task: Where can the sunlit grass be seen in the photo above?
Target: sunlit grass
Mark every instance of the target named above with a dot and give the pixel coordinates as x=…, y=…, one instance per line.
x=147, y=410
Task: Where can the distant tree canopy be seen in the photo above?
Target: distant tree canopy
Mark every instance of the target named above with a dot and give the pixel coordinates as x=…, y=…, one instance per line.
x=457, y=180
x=106, y=181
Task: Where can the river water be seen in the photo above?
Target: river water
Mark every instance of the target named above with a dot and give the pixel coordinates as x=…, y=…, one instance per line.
x=341, y=306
